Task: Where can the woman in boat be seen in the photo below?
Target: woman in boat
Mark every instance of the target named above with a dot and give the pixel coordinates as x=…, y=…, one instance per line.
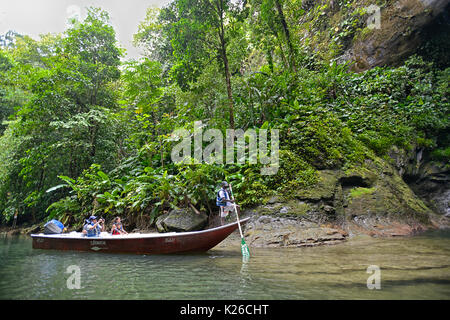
x=117, y=227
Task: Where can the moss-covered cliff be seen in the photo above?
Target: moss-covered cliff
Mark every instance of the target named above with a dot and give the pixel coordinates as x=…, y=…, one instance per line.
x=375, y=33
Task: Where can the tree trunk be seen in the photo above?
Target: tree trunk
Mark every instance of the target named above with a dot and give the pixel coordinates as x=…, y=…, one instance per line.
x=286, y=34
x=230, y=93
x=93, y=130
x=223, y=50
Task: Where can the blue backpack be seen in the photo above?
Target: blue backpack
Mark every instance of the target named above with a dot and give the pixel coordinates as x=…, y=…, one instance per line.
x=53, y=227
x=222, y=203
x=218, y=202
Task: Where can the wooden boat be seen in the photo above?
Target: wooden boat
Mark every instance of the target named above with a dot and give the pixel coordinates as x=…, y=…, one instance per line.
x=138, y=243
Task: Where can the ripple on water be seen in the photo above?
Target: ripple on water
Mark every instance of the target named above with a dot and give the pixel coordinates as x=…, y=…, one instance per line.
x=411, y=268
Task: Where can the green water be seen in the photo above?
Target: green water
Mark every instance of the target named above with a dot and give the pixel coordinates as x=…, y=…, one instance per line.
x=410, y=268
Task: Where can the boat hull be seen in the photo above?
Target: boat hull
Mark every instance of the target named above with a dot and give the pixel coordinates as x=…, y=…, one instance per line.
x=164, y=243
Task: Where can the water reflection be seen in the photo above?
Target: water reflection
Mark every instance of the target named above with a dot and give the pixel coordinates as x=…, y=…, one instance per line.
x=411, y=268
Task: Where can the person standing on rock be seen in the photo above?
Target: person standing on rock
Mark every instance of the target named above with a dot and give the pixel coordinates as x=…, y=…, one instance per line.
x=224, y=201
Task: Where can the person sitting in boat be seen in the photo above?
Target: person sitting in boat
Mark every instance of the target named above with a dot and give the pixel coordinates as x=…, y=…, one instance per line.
x=117, y=227
x=93, y=228
x=224, y=201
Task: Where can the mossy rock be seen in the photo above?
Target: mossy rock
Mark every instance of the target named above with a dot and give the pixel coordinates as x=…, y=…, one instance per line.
x=358, y=176
x=158, y=223
x=325, y=187
x=181, y=220
x=295, y=208
x=390, y=197
x=268, y=209
x=360, y=191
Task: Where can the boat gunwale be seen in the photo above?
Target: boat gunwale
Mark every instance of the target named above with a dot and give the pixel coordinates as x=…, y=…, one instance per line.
x=134, y=236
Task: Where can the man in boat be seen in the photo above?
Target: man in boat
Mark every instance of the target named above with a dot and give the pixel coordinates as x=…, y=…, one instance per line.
x=92, y=228
x=117, y=227
x=224, y=201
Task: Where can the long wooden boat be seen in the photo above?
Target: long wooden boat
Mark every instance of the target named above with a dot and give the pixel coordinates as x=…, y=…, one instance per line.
x=138, y=243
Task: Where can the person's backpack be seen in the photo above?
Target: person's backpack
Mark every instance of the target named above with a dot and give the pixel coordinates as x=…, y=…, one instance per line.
x=53, y=227
x=218, y=202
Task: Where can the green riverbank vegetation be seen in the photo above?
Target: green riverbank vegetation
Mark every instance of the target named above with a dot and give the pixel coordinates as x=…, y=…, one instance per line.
x=86, y=132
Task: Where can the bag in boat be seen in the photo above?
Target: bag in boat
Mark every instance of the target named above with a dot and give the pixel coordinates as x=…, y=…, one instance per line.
x=53, y=227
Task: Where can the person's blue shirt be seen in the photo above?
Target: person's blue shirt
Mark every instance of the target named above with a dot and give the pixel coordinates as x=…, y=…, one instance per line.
x=93, y=232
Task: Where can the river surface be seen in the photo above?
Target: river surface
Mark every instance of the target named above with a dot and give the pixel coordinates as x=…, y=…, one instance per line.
x=409, y=268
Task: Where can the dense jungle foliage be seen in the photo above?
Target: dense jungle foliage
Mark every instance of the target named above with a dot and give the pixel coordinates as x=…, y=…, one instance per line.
x=85, y=132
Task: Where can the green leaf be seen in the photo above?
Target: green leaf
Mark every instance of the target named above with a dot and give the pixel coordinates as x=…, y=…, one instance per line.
x=67, y=179
x=103, y=175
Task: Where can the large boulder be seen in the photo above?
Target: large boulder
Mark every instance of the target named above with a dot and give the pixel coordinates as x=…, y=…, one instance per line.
x=181, y=220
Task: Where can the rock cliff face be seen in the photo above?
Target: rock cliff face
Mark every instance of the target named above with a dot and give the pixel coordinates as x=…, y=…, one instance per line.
x=372, y=199
x=402, y=30
x=375, y=33
x=430, y=180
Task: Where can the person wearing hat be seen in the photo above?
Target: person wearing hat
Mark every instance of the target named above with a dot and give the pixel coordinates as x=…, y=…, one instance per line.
x=92, y=228
x=224, y=201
